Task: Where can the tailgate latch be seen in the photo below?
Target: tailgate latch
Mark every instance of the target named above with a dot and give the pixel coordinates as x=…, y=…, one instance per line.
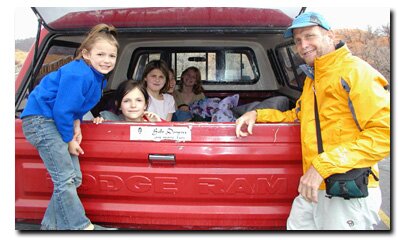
x=168, y=159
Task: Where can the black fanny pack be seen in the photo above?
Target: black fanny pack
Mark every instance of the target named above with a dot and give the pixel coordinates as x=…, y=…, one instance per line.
x=352, y=184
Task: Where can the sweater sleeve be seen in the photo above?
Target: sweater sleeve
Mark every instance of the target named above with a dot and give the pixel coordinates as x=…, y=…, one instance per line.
x=371, y=104
x=69, y=99
x=293, y=115
x=273, y=115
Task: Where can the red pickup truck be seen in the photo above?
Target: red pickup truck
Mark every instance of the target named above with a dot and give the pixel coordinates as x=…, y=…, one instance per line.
x=181, y=175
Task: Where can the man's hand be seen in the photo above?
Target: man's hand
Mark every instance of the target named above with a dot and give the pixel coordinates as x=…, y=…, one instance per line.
x=309, y=184
x=248, y=119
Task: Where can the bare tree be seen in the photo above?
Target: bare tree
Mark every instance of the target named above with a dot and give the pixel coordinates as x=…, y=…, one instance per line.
x=373, y=46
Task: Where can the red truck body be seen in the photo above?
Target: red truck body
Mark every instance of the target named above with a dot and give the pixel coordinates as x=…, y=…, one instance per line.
x=216, y=181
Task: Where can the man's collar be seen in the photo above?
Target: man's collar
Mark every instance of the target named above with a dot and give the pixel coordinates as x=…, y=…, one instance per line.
x=339, y=44
x=309, y=71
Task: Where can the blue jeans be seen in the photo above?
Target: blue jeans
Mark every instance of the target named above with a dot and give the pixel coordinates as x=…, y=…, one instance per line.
x=65, y=210
x=181, y=116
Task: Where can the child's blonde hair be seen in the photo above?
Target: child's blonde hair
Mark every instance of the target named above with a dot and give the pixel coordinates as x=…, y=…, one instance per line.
x=197, y=88
x=101, y=31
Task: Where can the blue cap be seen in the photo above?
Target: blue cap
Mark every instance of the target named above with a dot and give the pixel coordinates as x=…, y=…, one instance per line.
x=305, y=20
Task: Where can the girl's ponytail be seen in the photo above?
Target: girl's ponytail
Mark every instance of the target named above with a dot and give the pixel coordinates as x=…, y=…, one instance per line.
x=100, y=31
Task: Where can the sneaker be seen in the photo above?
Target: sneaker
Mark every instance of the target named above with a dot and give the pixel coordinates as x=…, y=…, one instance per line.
x=101, y=228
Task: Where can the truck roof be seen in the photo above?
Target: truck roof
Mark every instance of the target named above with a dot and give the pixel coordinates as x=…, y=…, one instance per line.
x=164, y=17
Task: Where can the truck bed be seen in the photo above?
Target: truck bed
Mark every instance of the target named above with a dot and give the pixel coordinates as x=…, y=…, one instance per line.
x=211, y=180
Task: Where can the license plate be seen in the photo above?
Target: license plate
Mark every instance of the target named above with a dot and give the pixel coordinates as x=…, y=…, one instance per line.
x=151, y=133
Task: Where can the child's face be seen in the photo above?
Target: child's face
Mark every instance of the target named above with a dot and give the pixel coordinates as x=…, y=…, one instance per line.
x=155, y=80
x=172, y=82
x=189, y=78
x=102, y=56
x=133, y=106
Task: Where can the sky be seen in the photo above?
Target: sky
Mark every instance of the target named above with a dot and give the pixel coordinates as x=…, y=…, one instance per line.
x=347, y=17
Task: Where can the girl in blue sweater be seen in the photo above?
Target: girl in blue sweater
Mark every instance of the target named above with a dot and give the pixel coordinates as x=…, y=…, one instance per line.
x=51, y=123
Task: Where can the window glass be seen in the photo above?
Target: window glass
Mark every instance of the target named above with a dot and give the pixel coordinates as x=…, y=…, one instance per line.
x=216, y=65
x=153, y=56
x=56, y=57
x=191, y=59
x=290, y=61
x=143, y=59
x=232, y=66
x=238, y=67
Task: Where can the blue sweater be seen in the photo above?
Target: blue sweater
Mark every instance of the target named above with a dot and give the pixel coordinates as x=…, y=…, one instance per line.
x=66, y=95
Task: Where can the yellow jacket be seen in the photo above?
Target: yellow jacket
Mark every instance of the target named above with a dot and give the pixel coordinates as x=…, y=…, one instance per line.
x=354, y=112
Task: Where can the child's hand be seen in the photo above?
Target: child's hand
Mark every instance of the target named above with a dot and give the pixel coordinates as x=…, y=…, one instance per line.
x=78, y=137
x=74, y=148
x=184, y=108
x=77, y=131
x=152, y=117
x=98, y=120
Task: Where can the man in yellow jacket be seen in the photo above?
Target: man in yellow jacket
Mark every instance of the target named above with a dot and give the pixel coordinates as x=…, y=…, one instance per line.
x=354, y=112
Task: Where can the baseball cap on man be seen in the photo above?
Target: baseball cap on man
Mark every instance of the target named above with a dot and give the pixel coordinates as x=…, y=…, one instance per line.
x=305, y=20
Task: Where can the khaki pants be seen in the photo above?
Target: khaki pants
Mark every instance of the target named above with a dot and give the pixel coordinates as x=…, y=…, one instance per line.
x=335, y=213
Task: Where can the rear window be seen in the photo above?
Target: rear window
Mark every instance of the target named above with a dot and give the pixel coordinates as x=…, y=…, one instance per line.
x=217, y=65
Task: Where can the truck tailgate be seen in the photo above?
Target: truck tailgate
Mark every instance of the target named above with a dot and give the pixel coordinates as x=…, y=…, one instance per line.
x=208, y=180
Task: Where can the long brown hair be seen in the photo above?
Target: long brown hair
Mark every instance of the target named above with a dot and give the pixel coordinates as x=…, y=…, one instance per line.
x=162, y=66
x=100, y=31
x=197, y=88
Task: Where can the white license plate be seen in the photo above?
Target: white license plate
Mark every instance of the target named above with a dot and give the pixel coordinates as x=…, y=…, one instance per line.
x=151, y=133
